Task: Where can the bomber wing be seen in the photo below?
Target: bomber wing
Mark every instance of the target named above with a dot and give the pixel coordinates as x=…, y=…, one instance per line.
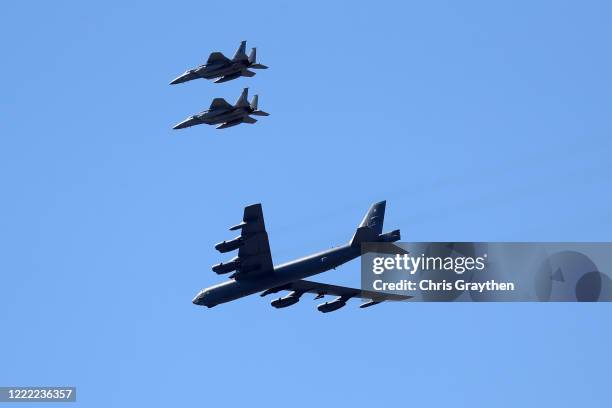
x=322, y=289
x=254, y=255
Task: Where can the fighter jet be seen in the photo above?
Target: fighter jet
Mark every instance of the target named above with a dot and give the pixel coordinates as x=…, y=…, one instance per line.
x=225, y=115
x=253, y=270
x=223, y=68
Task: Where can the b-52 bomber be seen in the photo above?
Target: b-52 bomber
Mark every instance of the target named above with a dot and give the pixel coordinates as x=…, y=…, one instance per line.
x=254, y=272
x=223, y=68
x=226, y=115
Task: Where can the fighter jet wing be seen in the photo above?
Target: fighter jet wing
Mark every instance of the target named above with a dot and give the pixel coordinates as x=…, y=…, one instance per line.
x=220, y=103
x=217, y=58
x=254, y=254
x=321, y=289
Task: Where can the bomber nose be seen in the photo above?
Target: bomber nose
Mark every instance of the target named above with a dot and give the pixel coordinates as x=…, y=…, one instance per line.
x=198, y=299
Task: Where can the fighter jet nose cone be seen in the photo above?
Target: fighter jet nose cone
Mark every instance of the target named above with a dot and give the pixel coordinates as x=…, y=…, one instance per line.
x=179, y=79
x=187, y=76
x=190, y=121
x=183, y=124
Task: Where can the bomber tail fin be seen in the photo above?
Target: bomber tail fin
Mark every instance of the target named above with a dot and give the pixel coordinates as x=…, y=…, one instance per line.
x=375, y=217
x=371, y=227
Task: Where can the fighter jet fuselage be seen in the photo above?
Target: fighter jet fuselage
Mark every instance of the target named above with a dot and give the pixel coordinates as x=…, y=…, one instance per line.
x=231, y=70
x=213, y=117
x=216, y=117
x=218, y=70
x=223, y=68
x=224, y=114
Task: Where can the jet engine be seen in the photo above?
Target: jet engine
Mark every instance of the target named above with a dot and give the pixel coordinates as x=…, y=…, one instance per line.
x=222, y=268
x=370, y=303
x=227, y=246
x=288, y=300
x=331, y=306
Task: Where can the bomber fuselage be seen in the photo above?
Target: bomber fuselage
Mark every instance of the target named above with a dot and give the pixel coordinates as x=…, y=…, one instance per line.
x=282, y=274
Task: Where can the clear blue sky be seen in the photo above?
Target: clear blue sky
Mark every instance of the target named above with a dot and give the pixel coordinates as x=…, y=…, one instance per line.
x=485, y=121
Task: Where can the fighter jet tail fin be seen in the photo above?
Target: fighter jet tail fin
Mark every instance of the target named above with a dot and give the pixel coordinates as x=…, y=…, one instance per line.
x=243, y=100
x=253, y=60
x=240, y=54
x=254, y=109
x=371, y=226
